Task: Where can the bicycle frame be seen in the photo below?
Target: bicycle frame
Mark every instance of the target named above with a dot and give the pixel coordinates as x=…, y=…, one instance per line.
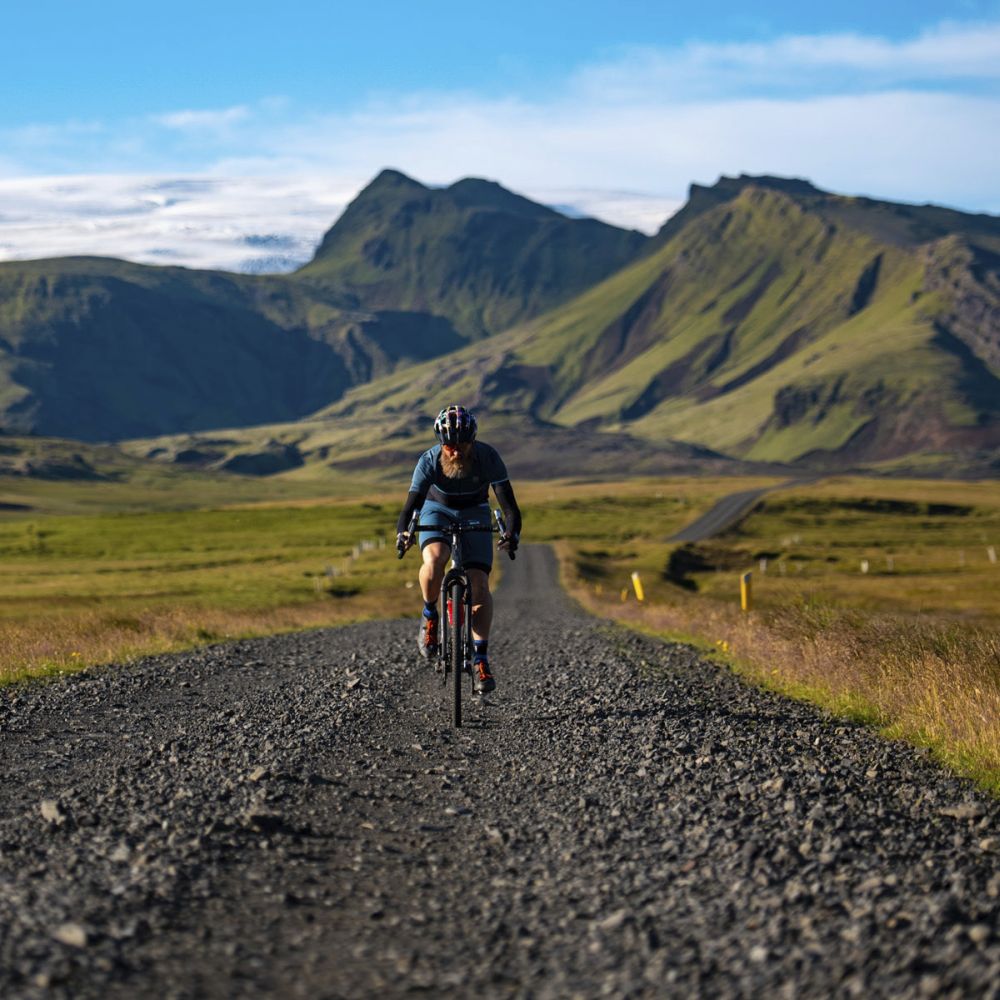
x=455, y=604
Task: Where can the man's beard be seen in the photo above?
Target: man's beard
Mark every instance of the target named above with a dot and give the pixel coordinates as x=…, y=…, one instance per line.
x=458, y=467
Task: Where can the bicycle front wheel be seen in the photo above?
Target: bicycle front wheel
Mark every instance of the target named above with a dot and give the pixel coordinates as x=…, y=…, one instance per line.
x=456, y=646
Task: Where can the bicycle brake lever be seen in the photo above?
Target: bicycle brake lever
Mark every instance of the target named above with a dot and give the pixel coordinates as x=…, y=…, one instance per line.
x=401, y=549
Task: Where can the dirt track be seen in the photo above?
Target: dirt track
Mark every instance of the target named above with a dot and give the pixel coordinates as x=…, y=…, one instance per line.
x=294, y=817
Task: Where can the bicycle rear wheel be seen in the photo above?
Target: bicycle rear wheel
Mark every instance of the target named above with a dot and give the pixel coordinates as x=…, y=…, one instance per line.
x=456, y=646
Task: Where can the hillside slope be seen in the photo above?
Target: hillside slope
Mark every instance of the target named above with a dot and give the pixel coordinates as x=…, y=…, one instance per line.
x=775, y=323
x=101, y=349
x=474, y=253
x=768, y=321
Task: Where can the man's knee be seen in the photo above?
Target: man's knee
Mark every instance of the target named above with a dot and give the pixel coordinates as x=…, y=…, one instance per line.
x=435, y=555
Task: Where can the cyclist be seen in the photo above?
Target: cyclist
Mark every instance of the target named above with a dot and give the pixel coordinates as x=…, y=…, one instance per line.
x=452, y=480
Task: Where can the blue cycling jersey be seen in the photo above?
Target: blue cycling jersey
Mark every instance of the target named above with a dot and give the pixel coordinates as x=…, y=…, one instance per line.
x=472, y=490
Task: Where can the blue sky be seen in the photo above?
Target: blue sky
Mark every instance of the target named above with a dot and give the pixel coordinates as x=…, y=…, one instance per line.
x=69, y=60
x=611, y=107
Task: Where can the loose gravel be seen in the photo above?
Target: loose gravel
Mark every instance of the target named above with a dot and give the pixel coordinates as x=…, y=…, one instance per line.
x=294, y=817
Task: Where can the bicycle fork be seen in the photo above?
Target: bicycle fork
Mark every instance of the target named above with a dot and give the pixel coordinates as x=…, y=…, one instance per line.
x=459, y=611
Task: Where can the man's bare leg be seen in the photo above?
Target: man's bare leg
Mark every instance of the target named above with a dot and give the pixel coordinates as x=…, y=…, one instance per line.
x=482, y=604
x=435, y=556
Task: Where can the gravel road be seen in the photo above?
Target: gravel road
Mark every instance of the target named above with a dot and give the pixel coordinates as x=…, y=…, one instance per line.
x=293, y=817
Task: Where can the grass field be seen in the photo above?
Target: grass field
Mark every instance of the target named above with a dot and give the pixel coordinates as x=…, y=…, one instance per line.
x=97, y=588
x=918, y=547
x=152, y=487
x=85, y=588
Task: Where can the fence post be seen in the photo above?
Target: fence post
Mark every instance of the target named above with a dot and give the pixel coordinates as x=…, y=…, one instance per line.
x=746, y=591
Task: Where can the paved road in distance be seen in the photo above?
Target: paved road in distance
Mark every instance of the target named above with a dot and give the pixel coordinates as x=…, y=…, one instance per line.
x=726, y=513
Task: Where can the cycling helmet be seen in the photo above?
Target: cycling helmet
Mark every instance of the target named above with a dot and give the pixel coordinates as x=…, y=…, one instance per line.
x=455, y=425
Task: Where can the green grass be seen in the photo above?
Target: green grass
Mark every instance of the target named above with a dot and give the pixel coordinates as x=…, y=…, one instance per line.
x=120, y=481
x=257, y=550
x=86, y=589
x=926, y=545
x=102, y=587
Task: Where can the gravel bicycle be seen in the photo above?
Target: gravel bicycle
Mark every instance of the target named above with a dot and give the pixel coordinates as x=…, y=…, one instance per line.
x=455, y=649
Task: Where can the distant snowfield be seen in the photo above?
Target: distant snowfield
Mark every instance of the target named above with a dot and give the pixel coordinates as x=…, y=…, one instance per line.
x=255, y=224
x=246, y=224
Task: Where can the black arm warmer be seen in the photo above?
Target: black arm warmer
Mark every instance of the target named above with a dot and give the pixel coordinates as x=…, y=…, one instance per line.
x=508, y=504
x=414, y=499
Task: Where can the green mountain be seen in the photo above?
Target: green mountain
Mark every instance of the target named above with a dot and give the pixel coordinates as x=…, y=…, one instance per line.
x=473, y=253
x=770, y=321
x=790, y=324
x=99, y=349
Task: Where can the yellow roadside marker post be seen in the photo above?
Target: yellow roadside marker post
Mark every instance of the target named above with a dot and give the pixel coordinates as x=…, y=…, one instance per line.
x=746, y=592
x=637, y=584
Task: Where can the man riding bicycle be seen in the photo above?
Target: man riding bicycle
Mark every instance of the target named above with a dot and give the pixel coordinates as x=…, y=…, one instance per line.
x=451, y=482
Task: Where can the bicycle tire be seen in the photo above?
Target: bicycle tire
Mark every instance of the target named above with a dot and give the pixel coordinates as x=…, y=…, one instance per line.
x=456, y=647
x=442, y=653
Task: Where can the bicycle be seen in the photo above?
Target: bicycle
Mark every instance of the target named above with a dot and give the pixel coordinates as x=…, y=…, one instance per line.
x=455, y=649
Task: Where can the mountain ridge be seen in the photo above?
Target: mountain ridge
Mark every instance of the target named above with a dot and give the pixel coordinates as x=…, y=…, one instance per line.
x=474, y=253
x=766, y=331
x=768, y=321
x=103, y=349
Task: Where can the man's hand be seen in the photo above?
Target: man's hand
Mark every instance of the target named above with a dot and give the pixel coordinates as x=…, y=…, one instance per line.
x=403, y=541
x=508, y=543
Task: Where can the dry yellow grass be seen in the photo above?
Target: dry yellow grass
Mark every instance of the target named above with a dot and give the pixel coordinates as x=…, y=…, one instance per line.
x=933, y=682
x=34, y=646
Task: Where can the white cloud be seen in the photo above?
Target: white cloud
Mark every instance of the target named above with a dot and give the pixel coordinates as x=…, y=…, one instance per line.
x=628, y=209
x=907, y=145
x=203, y=120
x=236, y=224
x=800, y=64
